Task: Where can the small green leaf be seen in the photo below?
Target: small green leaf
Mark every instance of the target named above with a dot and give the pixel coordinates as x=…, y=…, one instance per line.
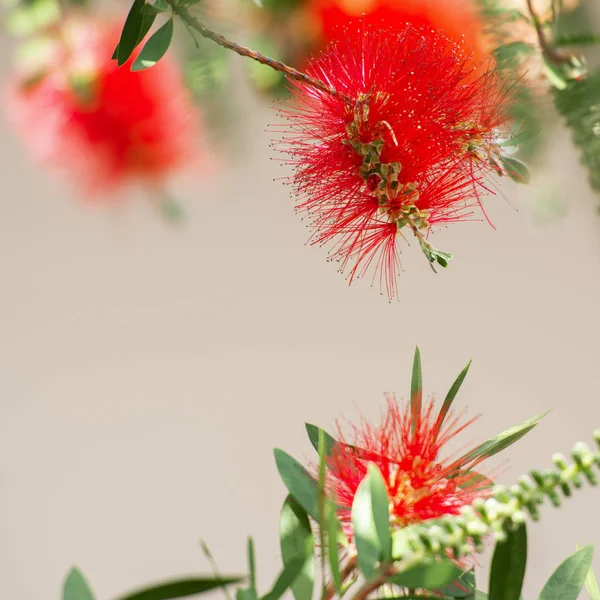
x=155, y=47
x=159, y=6
x=475, y=479
x=511, y=55
x=430, y=576
x=450, y=397
x=296, y=539
x=286, y=578
x=416, y=391
x=76, y=587
x=515, y=169
x=298, y=482
x=568, y=579
x=462, y=588
x=313, y=436
x=371, y=521
x=499, y=442
x=136, y=27
x=580, y=39
x=180, y=588
x=508, y=566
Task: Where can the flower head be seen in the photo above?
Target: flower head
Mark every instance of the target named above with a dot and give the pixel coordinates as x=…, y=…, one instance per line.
x=406, y=449
x=404, y=145
x=79, y=112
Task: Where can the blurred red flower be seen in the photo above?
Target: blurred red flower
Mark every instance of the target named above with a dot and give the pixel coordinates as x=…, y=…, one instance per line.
x=406, y=449
x=103, y=125
x=404, y=145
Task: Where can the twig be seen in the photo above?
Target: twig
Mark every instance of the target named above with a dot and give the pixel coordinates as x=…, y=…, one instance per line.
x=374, y=584
x=277, y=65
x=346, y=572
x=549, y=52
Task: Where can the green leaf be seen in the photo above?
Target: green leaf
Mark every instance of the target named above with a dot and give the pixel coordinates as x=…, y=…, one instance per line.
x=155, y=47
x=180, y=588
x=515, y=169
x=297, y=541
x=475, y=479
x=591, y=585
x=416, y=391
x=508, y=566
x=568, y=579
x=313, y=436
x=430, y=576
x=461, y=588
x=334, y=534
x=580, y=39
x=76, y=587
x=251, y=566
x=511, y=55
x=579, y=104
x=298, y=482
x=159, y=6
x=136, y=27
x=499, y=442
x=286, y=578
x=371, y=521
x=450, y=397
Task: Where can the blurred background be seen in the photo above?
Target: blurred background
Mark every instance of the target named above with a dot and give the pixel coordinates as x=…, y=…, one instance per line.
x=148, y=368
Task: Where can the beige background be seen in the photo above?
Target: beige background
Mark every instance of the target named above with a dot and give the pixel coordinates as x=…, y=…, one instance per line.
x=146, y=372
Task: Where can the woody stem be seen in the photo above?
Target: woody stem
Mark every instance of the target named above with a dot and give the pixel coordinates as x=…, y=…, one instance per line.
x=346, y=572
x=277, y=65
x=549, y=52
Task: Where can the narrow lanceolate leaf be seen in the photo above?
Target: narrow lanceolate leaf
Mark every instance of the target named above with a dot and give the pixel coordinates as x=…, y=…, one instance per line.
x=416, y=391
x=158, y=7
x=286, y=578
x=431, y=576
x=76, y=587
x=252, y=566
x=321, y=502
x=297, y=541
x=298, y=482
x=136, y=27
x=499, y=442
x=155, y=47
x=450, y=397
x=580, y=39
x=591, y=585
x=334, y=535
x=462, y=588
x=371, y=522
x=508, y=566
x=515, y=169
x=568, y=579
x=180, y=588
x=313, y=436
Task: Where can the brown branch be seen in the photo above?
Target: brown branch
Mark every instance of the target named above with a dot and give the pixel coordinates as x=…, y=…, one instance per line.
x=277, y=65
x=549, y=52
x=346, y=572
x=374, y=584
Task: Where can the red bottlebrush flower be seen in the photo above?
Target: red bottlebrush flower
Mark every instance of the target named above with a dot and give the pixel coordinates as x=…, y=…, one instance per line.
x=104, y=125
x=404, y=145
x=406, y=449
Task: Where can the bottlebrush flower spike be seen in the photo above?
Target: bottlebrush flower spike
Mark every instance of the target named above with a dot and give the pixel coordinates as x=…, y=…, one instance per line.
x=403, y=146
x=105, y=126
x=420, y=485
